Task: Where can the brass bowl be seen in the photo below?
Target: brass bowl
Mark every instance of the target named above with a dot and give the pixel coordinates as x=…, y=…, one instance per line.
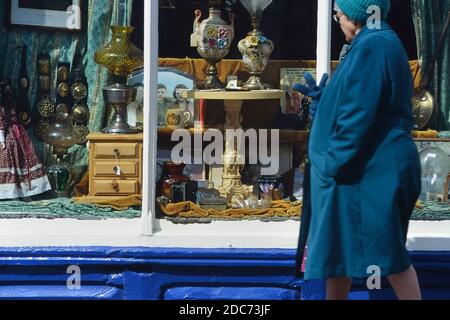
x=423, y=107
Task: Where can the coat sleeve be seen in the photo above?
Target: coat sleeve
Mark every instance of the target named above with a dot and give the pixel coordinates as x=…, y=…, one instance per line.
x=360, y=99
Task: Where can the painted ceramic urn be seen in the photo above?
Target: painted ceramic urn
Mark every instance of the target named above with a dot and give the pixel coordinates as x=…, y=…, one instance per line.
x=213, y=37
x=255, y=48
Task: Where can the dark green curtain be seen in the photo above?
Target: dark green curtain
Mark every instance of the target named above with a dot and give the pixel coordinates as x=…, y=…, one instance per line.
x=429, y=17
x=62, y=46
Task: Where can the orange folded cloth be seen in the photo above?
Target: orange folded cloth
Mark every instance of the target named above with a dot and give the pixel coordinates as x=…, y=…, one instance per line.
x=425, y=134
x=279, y=208
x=119, y=204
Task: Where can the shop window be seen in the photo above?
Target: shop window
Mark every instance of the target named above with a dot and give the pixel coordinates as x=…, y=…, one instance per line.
x=145, y=162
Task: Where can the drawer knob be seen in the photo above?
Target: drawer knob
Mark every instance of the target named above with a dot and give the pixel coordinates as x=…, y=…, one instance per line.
x=117, y=171
x=116, y=152
x=115, y=186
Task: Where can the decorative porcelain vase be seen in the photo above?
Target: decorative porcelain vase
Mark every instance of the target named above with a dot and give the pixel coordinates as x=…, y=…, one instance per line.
x=213, y=37
x=255, y=48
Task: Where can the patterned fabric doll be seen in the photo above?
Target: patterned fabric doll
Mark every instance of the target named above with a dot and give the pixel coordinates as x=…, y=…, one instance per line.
x=21, y=172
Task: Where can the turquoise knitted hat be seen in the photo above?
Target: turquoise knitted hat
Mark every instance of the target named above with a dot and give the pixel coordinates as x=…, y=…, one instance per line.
x=356, y=10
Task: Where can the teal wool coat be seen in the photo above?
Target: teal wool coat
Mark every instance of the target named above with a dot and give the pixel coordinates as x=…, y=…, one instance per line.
x=365, y=168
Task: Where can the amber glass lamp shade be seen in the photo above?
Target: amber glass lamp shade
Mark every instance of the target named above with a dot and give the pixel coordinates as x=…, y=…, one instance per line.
x=120, y=56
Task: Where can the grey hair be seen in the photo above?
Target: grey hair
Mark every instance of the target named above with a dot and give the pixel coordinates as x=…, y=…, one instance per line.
x=336, y=8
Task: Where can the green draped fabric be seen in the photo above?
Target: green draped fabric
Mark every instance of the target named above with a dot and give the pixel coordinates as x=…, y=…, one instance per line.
x=429, y=17
x=61, y=208
x=62, y=47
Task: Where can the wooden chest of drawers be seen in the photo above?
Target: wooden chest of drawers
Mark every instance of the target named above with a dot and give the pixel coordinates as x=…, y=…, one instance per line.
x=115, y=165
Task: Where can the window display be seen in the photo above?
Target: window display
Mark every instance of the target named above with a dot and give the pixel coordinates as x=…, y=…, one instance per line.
x=59, y=100
x=70, y=73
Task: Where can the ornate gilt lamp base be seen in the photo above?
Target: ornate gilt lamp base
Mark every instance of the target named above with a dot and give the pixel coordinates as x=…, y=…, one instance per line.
x=231, y=181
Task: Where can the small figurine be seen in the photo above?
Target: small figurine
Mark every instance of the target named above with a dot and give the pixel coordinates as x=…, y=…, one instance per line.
x=21, y=172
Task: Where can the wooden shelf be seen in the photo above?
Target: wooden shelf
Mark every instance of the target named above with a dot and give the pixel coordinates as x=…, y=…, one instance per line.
x=286, y=136
x=432, y=139
x=120, y=137
x=233, y=95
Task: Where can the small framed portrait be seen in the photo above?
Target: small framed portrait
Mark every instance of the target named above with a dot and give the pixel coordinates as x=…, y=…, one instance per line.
x=135, y=110
x=171, y=83
x=63, y=15
x=292, y=101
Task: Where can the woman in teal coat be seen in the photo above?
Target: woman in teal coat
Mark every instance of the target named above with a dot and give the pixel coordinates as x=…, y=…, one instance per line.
x=364, y=165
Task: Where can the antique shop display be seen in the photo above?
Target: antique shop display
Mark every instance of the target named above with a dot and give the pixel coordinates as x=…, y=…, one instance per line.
x=21, y=172
x=79, y=95
x=424, y=103
x=23, y=106
x=172, y=173
x=435, y=169
x=255, y=48
x=44, y=104
x=212, y=37
x=121, y=57
x=232, y=160
x=115, y=165
x=61, y=135
x=61, y=15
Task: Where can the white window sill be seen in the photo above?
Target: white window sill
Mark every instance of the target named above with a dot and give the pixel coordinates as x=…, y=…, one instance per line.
x=423, y=235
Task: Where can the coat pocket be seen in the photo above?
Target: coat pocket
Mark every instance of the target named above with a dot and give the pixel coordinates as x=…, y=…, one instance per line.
x=322, y=180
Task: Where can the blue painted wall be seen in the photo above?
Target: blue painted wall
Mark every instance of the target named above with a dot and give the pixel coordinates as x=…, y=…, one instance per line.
x=187, y=274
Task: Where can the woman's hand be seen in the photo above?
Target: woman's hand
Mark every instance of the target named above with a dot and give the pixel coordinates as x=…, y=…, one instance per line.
x=312, y=90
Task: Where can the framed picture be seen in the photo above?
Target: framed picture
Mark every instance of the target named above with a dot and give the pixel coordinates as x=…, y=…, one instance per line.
x=135, y=110
x=171, y=83
x=292, y=100
x=63, y=15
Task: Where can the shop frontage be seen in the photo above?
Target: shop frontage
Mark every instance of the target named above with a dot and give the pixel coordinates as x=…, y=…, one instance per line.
x=159, y=149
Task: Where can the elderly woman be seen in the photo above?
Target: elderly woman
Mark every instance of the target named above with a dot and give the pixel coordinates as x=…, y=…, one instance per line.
x=364, y=165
